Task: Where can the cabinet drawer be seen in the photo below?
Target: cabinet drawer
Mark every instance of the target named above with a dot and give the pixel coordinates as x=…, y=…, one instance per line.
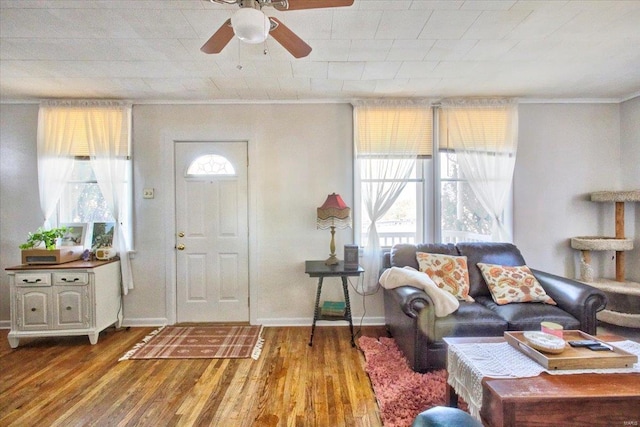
x=70, y=278
x=33, y=279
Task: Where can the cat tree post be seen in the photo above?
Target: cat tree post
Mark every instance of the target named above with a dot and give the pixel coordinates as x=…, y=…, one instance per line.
x=620, y=273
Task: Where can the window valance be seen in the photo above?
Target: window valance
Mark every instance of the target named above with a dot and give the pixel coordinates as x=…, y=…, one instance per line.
x=67, y=126
x=461, y=119
x=392, y=127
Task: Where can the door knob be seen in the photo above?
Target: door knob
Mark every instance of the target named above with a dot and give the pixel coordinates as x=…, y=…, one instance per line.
x=180, y=247
x=181, y=234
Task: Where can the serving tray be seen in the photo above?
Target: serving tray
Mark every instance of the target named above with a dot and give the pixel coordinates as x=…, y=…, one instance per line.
x=572, y=357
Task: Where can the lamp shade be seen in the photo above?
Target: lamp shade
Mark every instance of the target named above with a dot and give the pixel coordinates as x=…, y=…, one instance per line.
x=334, y=213
x=250, y=25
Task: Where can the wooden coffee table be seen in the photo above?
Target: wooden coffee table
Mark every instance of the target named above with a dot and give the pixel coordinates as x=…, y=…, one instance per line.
x=557, y=400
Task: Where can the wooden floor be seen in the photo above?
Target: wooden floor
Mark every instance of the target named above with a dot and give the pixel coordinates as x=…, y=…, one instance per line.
x=68, y=382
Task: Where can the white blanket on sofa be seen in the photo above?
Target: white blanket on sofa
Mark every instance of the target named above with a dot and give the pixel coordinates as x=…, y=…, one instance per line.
x=444, y=302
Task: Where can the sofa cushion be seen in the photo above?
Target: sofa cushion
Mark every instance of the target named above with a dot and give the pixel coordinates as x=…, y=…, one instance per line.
x=528, y=316
x=488, y=253
x=404, y=254
x=448, y=272
x=513, y=284
x=470, y=320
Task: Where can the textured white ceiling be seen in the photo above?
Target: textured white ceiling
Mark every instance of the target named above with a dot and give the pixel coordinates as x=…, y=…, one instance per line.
x=149, y=50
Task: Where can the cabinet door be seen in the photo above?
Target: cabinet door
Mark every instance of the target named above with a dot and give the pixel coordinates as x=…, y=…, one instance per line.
x=33, y=308
x=71, y=307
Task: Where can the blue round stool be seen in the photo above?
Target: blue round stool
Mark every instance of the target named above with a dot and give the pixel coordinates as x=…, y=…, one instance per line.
x=443, y=416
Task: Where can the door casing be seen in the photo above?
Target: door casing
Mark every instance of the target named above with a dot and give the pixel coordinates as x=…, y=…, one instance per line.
x=168, y=162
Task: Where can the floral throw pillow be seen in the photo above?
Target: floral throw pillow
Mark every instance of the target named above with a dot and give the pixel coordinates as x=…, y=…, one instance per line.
x=448, y=272
x=513, y=284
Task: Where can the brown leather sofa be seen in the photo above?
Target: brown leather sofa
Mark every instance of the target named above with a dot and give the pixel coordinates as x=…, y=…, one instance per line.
x=410, y=318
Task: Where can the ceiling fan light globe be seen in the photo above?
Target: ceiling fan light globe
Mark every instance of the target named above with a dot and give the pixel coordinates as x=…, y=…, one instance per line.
x=250, y=25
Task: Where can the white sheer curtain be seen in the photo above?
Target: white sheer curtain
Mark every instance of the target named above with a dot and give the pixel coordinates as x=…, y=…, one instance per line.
x=388, y=137
x=55, y=161
x=484, y=135
x=109, y=156
x=104, y=129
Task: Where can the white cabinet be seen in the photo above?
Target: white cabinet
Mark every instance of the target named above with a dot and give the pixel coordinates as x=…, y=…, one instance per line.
x=75, y=298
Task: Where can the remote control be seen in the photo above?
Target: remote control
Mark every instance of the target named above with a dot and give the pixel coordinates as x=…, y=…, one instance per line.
x=599, y=347
x=583, y=343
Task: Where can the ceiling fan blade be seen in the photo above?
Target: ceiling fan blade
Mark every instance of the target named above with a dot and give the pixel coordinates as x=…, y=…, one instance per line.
x=289, y=40
x=312, y=4
x=219, y=39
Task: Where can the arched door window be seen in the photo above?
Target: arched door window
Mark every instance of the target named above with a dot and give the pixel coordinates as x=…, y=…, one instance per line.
x=210, y=165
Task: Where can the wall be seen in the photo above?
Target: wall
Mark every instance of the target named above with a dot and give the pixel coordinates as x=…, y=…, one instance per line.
x=19, y=202
x=630, y=147
x=297, y=155
x=300, y=153
x=566, y=151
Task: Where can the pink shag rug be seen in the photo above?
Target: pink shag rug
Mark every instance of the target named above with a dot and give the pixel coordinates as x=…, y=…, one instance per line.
x=401, y=393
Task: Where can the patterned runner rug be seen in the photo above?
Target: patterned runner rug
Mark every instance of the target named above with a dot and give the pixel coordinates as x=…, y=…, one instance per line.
x=199, y=342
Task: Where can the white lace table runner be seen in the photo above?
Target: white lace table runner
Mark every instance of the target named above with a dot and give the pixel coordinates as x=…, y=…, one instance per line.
x=467, y=364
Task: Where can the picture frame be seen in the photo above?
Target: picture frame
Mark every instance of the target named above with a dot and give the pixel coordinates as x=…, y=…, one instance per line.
x=76, y=234
x=102, y=235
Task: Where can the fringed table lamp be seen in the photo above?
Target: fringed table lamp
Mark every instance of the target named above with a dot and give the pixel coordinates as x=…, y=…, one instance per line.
x=333, y=213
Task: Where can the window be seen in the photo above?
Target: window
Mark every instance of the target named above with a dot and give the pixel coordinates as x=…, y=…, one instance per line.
x=211, y=164
x=84, y=168
x=437, y=202
x=394, y=171
x=405, y=220
x=478, y=144
x=82, y=199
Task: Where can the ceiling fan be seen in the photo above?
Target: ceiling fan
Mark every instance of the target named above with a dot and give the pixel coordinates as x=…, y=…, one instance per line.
x=251, y=25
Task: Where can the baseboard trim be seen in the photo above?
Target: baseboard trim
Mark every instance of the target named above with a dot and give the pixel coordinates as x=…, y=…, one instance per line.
x=300, y=321
x=144, y=322
x=307, y=321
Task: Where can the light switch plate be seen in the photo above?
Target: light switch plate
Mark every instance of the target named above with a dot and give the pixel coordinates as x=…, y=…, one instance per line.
x=147, y=193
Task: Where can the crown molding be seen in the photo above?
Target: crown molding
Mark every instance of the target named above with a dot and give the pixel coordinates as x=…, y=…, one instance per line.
x=328, y=101
x=569, y=101
x=630, y=97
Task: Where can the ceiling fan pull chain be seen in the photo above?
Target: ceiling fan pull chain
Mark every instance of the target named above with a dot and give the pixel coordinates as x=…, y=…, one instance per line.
x=268, y=22
x=239, y=66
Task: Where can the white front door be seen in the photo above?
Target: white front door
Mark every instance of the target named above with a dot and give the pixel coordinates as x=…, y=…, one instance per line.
x=212, y=232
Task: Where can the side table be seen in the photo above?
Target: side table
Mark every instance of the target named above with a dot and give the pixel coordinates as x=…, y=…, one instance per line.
x=320, y=270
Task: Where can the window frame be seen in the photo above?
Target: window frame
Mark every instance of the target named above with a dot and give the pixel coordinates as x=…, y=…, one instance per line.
x=128, y=210
x=423, y=174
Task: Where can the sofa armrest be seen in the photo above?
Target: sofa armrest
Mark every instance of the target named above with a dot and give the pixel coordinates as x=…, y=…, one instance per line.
x=413, y=303
x=410, y=319
x=578, y=299
x=411, y=300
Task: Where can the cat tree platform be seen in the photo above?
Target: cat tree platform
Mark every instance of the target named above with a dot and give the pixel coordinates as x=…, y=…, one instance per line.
x=623, y=306
x=598, y=243
x=616, y=196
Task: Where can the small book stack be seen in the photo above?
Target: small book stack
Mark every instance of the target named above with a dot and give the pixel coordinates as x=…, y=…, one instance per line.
x=333, y=308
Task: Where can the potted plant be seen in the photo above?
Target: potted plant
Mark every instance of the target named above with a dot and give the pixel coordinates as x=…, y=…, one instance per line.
x=41, y=248
x=46, y=237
